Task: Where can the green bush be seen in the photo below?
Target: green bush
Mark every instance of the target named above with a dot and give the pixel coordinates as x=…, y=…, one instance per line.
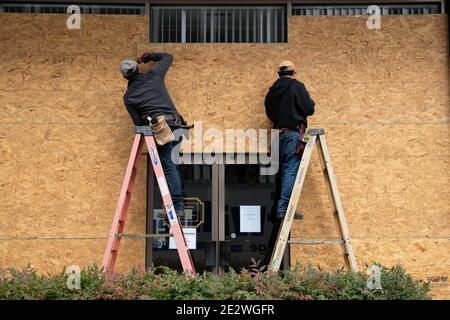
x=163, y=283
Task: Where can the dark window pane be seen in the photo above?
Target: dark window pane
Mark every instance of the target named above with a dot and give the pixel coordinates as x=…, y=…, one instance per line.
x=62, y=9
x=343, y=10
x=217, y=24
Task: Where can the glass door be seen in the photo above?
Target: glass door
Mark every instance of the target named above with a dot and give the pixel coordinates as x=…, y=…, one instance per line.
x=198, y=220
x=227, y=220
x=250, y=229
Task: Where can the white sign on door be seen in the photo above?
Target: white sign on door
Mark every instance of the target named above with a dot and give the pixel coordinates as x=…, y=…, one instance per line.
x=190, y=234
x=250, y=218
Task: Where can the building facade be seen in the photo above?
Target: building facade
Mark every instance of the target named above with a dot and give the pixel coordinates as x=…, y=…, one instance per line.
x=382, y=96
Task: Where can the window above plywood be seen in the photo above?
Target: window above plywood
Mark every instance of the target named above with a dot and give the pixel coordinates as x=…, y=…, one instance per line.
x=361, y=9
x=9, y=7
x=218, y=24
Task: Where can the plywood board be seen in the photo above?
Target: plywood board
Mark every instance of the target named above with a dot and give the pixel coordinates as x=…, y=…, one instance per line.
x=382, y=96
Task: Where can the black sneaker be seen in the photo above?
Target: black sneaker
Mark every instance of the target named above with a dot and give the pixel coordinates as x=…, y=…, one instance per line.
x=297, y=215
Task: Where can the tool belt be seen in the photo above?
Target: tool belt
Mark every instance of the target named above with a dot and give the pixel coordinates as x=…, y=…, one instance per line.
x=301, y=144
x=177, y=121
x=162, y=131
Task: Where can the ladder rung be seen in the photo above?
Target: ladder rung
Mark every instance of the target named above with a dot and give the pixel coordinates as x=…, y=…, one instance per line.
x=148, y=235
x=316, y=241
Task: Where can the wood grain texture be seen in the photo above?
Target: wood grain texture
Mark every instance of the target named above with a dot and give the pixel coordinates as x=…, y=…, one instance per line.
x=382, y=96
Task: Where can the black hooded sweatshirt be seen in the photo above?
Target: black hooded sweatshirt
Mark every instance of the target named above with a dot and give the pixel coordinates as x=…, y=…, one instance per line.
x=288, y=103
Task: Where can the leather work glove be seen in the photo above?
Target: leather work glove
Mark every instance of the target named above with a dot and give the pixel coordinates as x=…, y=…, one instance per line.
x=144, y=58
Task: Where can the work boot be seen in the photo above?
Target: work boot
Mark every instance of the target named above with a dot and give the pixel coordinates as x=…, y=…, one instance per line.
x=297, y=215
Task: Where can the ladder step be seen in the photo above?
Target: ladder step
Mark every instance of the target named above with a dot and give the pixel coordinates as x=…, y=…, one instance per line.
x=146, y=235
x=316, y=241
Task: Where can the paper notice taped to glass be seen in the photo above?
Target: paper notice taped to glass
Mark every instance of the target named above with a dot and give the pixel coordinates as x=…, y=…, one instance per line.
x=250, y=218
x=190, y=234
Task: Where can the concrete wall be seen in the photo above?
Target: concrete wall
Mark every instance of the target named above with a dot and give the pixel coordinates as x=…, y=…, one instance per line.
x=382, y=95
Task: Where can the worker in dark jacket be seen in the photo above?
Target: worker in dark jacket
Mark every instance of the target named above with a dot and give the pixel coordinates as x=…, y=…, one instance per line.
x=288, y=105
x=147, y=96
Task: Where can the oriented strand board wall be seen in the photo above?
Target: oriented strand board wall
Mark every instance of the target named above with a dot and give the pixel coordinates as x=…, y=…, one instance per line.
x=382, y=95
x=384, y=98
x=65, y=139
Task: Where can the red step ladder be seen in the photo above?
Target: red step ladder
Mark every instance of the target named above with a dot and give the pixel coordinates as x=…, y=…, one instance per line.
x=118, y=224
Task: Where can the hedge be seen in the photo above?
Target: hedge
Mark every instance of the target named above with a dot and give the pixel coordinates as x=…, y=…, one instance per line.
x=300, y=283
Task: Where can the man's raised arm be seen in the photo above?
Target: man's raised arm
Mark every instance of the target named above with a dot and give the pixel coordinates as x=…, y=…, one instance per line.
x=164, y=60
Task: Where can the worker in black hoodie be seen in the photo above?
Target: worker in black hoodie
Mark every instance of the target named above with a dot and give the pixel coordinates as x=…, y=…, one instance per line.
x=288, y=105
